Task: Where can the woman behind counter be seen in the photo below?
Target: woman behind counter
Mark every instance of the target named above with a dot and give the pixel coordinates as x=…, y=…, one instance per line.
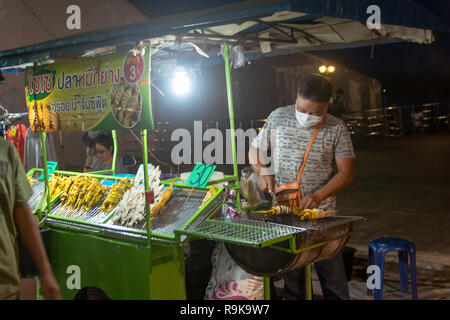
x=104, y=151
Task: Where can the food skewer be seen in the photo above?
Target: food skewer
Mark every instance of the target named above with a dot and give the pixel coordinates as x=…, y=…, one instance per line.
x=311, y=214
x=166, y=194
x=209, y=195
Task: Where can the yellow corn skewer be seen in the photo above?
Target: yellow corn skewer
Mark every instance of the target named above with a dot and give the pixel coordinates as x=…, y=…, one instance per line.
x=167, y=193
x=311, y=214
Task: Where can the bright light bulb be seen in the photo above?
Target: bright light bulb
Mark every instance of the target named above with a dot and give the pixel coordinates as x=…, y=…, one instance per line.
x=181, y=84
x=331, y=69
x=322, y=69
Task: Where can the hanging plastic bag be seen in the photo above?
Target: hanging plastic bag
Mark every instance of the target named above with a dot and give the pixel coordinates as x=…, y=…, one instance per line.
x=237, y=56
x=248, y=187
x=229, y=281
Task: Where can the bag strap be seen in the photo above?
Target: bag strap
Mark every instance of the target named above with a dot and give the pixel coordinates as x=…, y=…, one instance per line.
x=308, y=149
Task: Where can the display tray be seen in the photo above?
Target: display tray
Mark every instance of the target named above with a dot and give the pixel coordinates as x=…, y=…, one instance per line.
x=183, y=205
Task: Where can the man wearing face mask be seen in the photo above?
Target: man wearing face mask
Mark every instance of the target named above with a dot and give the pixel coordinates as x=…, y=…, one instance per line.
x=311, y=160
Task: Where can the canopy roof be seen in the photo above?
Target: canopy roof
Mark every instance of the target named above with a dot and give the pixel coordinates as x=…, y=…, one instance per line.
x=178, y=28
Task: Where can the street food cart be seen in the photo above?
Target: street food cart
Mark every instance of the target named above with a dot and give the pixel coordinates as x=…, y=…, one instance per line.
x=145, y=260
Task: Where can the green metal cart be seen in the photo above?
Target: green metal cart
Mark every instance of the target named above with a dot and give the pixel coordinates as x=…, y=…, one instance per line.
x=148, y=262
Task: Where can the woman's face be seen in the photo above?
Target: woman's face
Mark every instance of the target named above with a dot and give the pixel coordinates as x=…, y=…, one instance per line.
x=103, y=153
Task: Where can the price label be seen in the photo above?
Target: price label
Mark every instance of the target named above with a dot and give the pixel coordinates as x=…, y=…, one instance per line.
x=51, y=167
x=133, y=68
x=200, y=175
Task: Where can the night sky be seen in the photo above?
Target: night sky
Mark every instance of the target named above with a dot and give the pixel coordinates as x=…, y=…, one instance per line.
x=410, y=72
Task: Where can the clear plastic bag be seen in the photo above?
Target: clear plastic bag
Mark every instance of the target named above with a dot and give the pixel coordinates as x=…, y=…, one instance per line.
x=237, y=56
x=249, y=188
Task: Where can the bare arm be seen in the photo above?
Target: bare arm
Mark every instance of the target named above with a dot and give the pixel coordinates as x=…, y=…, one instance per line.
x=342, y=178
x=266, y=181
x=29, y=232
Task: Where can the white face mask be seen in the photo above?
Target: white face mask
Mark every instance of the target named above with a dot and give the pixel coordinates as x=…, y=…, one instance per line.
x=307, y=120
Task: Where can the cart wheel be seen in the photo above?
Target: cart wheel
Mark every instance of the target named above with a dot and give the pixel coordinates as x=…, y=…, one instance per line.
x=91, y=293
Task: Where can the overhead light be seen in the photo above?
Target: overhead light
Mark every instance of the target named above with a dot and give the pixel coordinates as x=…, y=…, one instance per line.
x=331, y=69
x=322, y=69
x=181, y=84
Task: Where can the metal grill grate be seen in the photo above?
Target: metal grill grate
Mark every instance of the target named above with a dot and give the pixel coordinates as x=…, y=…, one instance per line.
x=318, y=230
x=242, y=231
x=38, y=187
x=313, y=225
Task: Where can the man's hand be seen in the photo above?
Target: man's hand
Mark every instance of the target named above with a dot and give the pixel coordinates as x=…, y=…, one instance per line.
x=266, y=183
x=342, y=178
x=50, y=288
x=311, y=201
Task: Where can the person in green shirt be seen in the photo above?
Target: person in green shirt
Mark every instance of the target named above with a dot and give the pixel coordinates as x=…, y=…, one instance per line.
x=15, y=213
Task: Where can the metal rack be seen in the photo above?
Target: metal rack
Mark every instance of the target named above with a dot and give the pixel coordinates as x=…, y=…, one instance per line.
x=393, y=122
x=429, y=113
x=252, y=233
x=375, y=121
x=355, y=124
x=93, y=215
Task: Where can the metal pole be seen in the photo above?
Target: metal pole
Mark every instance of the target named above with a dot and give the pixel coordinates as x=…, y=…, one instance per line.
x=266, y=288
x=44, y=164
x=226, y=58
x=146, y=183
x=308, y=283
x=114, y=136
x=147, y=206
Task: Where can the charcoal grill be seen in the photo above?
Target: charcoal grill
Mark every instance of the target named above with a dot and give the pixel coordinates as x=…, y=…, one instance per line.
x=320, y=240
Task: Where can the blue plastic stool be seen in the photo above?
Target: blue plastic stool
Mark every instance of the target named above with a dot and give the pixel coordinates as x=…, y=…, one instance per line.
x=378, y=249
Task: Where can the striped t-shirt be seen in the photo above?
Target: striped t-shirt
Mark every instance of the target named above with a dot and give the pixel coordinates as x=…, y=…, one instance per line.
x=287, y=142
